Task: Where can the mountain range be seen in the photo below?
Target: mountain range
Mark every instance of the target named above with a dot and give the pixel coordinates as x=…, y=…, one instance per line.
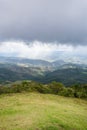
x=14, y=68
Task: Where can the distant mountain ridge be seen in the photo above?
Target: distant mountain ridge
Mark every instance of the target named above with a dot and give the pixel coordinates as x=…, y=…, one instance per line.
x=15, y=60
x=31, y=62
x=12, y=69
x=36, y=62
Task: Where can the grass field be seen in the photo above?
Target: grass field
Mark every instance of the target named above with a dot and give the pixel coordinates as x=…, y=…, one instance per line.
x=34, y=111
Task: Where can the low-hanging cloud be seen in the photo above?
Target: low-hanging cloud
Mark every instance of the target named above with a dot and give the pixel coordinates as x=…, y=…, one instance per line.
x=40, y=50
x=64, y=21
x=32, y=50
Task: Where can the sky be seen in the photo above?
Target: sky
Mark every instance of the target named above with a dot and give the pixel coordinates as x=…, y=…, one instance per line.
x=43, y=28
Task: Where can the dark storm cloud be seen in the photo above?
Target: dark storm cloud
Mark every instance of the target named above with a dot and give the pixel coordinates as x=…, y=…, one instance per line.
x=64, y=21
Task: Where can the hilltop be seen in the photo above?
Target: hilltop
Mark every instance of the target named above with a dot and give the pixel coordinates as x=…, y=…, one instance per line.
x=34, y=111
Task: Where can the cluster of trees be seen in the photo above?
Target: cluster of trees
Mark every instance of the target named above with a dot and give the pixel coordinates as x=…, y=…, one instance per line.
x=78, y=90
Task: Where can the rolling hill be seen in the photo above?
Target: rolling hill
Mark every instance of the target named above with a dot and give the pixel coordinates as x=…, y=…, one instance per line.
x=68, y=76
x=12, y=69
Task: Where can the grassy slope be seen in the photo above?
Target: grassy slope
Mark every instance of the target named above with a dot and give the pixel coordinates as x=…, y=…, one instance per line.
x=33, y=111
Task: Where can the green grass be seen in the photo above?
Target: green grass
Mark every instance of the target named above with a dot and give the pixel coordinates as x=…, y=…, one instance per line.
x=34, y=111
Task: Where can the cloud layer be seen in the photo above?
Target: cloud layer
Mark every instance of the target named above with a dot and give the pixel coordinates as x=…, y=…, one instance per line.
x=39, y=50
x=63, y=21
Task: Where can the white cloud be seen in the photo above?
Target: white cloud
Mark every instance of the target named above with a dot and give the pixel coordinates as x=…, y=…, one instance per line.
x=39, y=50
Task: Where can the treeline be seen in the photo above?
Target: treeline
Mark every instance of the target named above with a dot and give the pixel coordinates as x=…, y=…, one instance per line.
x=78, y=90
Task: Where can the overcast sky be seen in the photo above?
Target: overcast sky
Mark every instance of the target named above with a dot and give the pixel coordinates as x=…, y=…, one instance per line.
x=64, y=21
x=60, y=22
